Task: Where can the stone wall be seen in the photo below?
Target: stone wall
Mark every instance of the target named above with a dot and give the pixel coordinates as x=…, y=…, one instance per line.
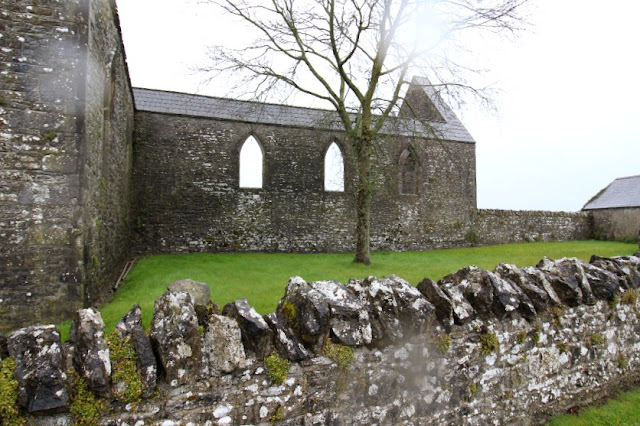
x=506, y=226
x=614, y=224
x=188, y=198
x=107, y=154
x=72, y=189
x=42, y=73
x=57, y=179
x=503, y=347
x=187, y=194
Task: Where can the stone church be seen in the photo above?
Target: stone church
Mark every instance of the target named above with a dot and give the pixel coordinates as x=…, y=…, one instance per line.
x=94, y=172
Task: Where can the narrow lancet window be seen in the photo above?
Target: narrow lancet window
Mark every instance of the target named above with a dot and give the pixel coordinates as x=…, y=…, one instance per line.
x=251, y=160
x=408, y=172
x=334, y=169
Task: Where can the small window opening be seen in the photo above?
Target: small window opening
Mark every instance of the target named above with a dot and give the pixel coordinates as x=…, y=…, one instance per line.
x=408, y=172
x=334, y=169
x=251, y=160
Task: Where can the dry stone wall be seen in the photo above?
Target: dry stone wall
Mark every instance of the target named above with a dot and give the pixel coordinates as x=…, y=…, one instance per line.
x=506, y=226
x=478, y=347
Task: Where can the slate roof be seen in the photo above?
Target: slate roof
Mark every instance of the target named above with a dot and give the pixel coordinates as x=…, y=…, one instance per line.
x=254, y=112
x=622, y=192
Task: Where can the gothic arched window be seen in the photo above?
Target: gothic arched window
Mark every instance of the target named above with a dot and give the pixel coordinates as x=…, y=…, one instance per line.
x=408, y=172
x=251, y=164
x=334, y=169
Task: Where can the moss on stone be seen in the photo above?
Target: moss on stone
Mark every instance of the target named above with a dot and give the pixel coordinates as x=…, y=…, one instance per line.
x=443, y=343
x=521, y=337
x=340, y=354
x=277, y=368
x=129, y=383
x=535, y=336
x=49, y=136
x=474, y=388
x=289, y=312
x=9, y=413
x=563, y=347
x=489, y=343
x=629, y=297
x=558, y=313
x=597, y=339
x=623, y=361
x=85, y=407
x=277, y=415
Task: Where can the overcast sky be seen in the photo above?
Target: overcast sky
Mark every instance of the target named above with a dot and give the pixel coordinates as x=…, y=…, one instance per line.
x=568, y=114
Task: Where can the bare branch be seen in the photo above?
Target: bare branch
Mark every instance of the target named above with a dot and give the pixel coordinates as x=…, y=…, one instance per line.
x=357, y=55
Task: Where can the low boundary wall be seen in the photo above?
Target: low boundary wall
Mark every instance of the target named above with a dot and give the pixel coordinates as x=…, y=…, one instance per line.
x=478, y=347
x=505, y=226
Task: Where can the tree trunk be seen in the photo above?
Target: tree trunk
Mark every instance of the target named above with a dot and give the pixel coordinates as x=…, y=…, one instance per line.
x=362, y=147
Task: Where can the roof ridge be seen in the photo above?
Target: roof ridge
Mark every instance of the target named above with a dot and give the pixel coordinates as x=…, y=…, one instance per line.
x=223, y=98
x=622, y=192
x=628, y=177
x=196, y=105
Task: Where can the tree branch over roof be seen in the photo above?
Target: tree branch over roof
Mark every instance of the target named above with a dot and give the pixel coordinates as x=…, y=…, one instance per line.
x=356, y=55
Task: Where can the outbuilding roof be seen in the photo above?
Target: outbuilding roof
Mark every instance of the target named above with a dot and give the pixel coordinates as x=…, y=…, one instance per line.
x=622, y=192
x=450, y=128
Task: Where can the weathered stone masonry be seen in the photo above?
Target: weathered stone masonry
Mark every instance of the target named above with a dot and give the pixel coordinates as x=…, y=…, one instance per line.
x=186, y=178
x=501, y=226
x=66, y=119
x=76, y=200
x=515, y=345
x=187, y=194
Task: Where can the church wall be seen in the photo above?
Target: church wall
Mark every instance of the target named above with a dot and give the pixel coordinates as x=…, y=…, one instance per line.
x=106, y=154
x=50, y=74
x=188, y=198
x=40, y=140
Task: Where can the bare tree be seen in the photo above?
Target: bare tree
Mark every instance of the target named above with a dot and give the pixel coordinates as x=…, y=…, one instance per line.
x=356, y=55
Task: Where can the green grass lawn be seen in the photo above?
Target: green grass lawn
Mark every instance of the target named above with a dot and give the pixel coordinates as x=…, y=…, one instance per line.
x=623, y=410
x=261, y=278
